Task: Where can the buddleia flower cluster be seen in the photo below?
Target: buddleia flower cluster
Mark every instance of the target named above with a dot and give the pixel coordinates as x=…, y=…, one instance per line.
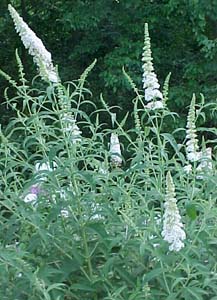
x=204, y=157
x=150, y=82
x=192, y=148
x=41, y=56
x=205, y=163
x=115, y=150
x=40, y=174
x=71, y=128
x=173, y=231
x=32, y=194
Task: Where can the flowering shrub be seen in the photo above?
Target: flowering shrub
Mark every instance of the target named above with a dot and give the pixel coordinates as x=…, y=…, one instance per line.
x=92, y=213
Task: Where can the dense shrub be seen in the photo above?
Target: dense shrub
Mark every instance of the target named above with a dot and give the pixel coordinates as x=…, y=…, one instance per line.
x=92, y=211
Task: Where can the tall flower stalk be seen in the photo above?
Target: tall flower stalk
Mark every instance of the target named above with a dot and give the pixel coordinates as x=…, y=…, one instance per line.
x=173, y=231
x=150, y=82
x=70, y=128
x=205, y=164
x=191, y=136
x=41, y=56
x=115, y=150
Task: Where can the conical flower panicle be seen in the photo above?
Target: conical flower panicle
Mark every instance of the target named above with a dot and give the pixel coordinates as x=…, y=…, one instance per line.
x=35, y=46
x=205, y=164
x=172, y=225
x=166, y=89
x=191, y=136
x=115, y=150
x=71, y=128
x=150, y=81
x=188, y=169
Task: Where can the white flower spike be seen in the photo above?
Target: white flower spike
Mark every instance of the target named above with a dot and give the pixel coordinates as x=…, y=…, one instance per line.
x=71, y=128
x=150, y=81
x=188, y=169
x=191, y=136
x=35, y=46
x=115, y=150
x=44, y=166
x=205, y=165
x=172, y=225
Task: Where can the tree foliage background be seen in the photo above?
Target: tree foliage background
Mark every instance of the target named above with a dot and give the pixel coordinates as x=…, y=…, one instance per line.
x=183, y=35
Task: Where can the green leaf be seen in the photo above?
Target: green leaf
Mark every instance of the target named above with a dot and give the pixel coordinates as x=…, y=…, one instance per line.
x=152, y=274
x=82, y=287
x=191, y=211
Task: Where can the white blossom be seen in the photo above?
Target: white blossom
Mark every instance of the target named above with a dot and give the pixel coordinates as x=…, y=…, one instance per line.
x=45, y=166
x=205, y=163
x=172, y=225
x=35, y=47
x=30, y=198
x=32, y=194
x=64, y=213
x=70, y=127
x=188, y=169
x=96, y=209
x=42, y=168
x=155, y=105
x=150, y=81
x=115, y=150
x=103, y=169
x=192, y=142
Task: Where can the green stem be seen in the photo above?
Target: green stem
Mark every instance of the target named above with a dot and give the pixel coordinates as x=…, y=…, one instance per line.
x=87, y=254
x=165, y=280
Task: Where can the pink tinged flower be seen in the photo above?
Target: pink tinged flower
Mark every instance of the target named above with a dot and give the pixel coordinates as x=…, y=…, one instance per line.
x=173, y=231
x=35, y=47
x=32, y=196
x=115, y=150
x=35, y=189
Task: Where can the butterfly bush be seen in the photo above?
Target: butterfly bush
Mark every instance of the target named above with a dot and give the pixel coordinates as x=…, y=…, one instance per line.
x=32, y=195
x=36, y=189
x=71, y=128
x=115, y=150
x=192, y=148
x=205, y=163
x=41, y=56
x=44, y=166
x=150, y=82
x=93, y=215
x=173, y=231
x=188, y=169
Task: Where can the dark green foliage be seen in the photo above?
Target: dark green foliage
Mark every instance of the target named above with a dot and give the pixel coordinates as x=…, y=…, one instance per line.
x=183, y=35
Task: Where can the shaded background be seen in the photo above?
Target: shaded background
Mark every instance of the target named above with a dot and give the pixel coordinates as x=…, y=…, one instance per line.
x=183, y=36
